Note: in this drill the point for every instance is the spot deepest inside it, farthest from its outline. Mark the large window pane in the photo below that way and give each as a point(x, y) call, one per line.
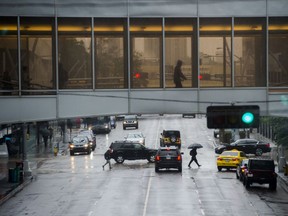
point(37, 71)
point(278, 52)
point(215, 52)
point(110, 63)
point(249, 52)
point(8, 55)
point(178, 46)
point(146, 46)
point(74, 50)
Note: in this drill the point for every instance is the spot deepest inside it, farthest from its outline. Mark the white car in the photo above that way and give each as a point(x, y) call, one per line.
point(136, 137)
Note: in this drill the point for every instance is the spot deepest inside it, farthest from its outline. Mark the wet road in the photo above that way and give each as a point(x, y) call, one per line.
point(77, 185)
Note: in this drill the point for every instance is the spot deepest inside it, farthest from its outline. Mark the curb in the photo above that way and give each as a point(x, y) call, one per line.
point(15, 190)
point(283, 182)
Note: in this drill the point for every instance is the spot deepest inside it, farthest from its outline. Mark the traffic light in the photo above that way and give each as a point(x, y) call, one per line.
point(233, 116)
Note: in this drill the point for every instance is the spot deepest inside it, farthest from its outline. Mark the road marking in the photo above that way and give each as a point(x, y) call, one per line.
point(147, 196)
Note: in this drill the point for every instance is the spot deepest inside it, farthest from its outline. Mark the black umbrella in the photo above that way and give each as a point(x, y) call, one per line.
point(195, 145)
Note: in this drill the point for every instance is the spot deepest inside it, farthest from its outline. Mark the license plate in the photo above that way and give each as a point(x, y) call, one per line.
point(168, 157)
point(227, 160)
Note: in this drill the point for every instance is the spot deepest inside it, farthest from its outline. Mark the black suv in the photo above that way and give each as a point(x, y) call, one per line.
point(128, 150)
point(261, 171)
point(168, 157)
point(170, 138)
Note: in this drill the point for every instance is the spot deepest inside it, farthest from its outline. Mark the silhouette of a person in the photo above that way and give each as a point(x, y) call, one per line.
point(178, 75)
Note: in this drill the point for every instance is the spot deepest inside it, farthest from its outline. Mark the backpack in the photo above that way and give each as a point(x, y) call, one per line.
point(193, 152)
point(107, 155)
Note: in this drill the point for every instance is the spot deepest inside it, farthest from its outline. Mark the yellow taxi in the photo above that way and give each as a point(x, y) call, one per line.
point(230, 159)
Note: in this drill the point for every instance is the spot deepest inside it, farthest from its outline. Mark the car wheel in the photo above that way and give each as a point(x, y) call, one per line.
point(180, 169)
point(124, 128)
point(151, 158)
point(273, 185)
point(219, 168)
point(258, 152)
point(119, 158)
point(71, 153)
point(156, 169)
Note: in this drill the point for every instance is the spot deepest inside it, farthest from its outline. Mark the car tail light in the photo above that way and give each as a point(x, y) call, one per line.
point(235, 159)
point(179, 158)
point(268, 145)
point(157, 158)
point(220, 159)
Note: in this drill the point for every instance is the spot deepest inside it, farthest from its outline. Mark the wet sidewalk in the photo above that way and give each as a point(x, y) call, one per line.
point(35, 159)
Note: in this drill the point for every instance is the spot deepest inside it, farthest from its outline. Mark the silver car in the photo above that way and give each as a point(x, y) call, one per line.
point(136, 137)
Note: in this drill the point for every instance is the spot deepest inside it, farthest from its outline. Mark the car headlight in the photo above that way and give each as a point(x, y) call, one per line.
point(86, 145)
point(71, 146)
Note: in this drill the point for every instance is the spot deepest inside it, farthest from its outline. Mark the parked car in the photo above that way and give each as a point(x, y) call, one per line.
point(261, 171)
point(136, 137)
point(241, 169)
point(168, 157)
point(80, 144)
point(128, 150)
point(130, 121)
point(170, 137)
point(91, 137)
point(248, 146)
point(230, 159)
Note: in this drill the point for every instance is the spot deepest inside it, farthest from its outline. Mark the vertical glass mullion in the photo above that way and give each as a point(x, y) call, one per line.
point(19, 56)
point(163, 54)
point(232, 56)
point(93, 54)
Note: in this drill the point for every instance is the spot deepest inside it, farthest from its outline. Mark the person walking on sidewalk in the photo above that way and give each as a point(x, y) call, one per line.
point(193, 154)
point(107, 157)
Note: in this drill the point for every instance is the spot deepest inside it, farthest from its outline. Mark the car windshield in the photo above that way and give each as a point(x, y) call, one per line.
point(170, 152)
point(130, 117)
point(229, 153)
point(172, 133)
point(79, 140)
point(136, 135)
point(262, 164)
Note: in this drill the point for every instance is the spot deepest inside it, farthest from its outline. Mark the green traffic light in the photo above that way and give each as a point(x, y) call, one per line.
point(248, 117)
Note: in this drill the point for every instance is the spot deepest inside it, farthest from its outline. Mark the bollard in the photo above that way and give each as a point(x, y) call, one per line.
point(55, 151)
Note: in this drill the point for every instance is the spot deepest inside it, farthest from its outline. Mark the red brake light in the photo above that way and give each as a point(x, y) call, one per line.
point(157, 158)
point(179, 158)
point(220, 159)
point(268, 145)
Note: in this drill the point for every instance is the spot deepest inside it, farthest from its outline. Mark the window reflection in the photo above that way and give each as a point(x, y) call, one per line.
point(9, 61)
point(110, 64)
point(74, 53)
point(146, 46)
point(278, 52)
point(178, 46)
point(249, 52)
point(215, 52)
point(36, 54)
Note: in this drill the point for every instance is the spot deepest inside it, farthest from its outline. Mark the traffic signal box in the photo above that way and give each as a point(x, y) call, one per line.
point(233, 116)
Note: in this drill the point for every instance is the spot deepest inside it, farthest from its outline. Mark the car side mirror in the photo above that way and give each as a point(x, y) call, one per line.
point(182, 153)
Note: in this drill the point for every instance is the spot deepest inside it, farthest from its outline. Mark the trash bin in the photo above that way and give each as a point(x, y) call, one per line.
point(20, 165)
point(14, 175)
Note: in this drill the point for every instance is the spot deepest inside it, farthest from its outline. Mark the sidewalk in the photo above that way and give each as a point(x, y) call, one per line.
point(9, 189)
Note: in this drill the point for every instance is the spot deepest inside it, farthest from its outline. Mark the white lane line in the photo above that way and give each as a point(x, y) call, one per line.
point(147, 196)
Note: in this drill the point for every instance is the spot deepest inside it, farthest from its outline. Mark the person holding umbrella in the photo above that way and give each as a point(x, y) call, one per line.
point(193, 154)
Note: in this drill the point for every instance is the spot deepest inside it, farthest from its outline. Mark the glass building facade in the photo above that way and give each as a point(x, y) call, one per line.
point(50, 54)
